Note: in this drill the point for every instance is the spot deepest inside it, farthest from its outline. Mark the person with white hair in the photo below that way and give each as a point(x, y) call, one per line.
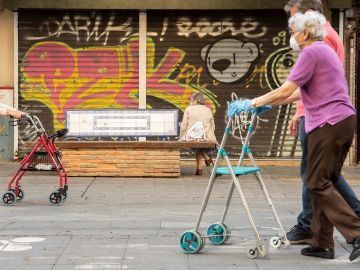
point(318, 78)
point(300, 233)
point(10, 111)
point(198, 125)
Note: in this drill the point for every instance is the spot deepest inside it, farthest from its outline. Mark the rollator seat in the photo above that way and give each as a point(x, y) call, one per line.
point(237, 170)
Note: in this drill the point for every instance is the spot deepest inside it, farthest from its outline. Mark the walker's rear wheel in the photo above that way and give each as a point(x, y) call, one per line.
point(191, 242)
point(55, 198)
point(218, 233)
point(9, 198)
point(253, 253)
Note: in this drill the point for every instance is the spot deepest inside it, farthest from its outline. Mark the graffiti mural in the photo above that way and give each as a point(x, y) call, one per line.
point(83, 60)
point(236, 63)
point(98, 77)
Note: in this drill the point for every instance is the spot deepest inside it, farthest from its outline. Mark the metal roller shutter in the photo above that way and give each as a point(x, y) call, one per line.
point(89, 59)
point(217, 53)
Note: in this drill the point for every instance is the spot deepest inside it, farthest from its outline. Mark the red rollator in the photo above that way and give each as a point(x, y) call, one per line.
point(43, 157)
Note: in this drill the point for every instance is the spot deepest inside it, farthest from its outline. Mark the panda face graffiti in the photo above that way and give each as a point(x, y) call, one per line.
point(230, 60)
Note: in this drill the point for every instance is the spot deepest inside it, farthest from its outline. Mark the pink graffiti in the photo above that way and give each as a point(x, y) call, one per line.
point(61, 68)
point(155, 80)
point(51, 61)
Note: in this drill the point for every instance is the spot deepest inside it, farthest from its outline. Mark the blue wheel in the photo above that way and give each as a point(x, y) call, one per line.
point(191, 242)
point(218, 233)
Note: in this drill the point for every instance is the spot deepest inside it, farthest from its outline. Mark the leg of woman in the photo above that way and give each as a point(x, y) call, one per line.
point(208, 160)
point(199, 156)
point(327, 150)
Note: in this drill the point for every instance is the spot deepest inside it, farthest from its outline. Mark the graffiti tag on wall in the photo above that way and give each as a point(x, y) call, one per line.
point(64, 78)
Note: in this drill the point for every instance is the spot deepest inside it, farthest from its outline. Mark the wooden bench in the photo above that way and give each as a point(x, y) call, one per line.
point(125, 158)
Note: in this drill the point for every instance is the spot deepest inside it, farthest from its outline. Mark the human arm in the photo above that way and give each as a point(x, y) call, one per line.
point(7, 110)
point(282, 95)
point(294, 97)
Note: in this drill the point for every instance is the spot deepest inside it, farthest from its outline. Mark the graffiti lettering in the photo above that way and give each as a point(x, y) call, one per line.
point(83, 23)
point(203, 28)
point(64, 78)
point(189, 73)
point(280, 38)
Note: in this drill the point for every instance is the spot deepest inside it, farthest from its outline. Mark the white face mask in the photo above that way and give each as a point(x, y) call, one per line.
point(294, 45)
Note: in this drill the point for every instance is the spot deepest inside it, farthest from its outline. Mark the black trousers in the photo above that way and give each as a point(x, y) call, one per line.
point(327, 149)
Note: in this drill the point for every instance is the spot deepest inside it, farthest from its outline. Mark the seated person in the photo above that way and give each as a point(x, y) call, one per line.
point(198, 125)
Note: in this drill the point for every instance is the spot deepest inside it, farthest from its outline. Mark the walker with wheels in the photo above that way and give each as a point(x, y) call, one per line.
point(43, 157)
point(192, 241)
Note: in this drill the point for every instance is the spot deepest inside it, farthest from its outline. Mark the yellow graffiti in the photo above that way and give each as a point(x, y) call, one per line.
point(64, 78)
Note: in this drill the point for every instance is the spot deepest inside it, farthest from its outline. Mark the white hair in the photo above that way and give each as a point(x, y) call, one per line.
point(312, 21)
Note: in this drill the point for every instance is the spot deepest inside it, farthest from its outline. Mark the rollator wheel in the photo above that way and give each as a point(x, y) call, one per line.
point(253, 253)
point(64, 197)
point(21, 194)
point(191, 242)
point(9, 198)
point(55, 198)
point(275, 242)
point(218, 233)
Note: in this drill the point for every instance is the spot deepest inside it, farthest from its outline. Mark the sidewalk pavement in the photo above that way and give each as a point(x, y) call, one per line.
point(135, 223)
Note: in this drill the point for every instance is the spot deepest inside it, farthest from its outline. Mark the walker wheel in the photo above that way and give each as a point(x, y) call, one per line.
point(21, 194)
point(218, 233)
point(64, 197)
point(9, 198)
point(253, 253)
point(275, 242)
point(191, 241)
point(55, 198)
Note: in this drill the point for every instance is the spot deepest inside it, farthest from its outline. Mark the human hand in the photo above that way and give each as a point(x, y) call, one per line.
point(238, 106)
point(293, 125)
point(262, 109)
point(16, 113)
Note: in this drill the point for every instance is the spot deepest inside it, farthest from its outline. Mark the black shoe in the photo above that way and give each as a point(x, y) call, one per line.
point(325, 253)
point(198, 172)
point(356, 249)
point(208, 162)
point(299, 236)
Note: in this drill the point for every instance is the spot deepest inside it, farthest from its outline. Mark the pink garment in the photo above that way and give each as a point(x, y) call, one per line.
point(333, 40)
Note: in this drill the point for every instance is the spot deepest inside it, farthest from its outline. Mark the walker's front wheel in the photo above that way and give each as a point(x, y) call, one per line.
point(55, 198)
point(218, 233)
point(20, 196)
point(64, 197)
point(9, 198)
point(275, 242)
point(191, 241)
point(253, 253)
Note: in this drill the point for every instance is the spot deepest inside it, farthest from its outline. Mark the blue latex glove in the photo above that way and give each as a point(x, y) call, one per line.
point(238, 106)
point(262, 109)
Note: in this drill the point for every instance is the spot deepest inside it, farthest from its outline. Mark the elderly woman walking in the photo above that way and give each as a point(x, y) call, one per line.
point(330, 121)
point(198, 125)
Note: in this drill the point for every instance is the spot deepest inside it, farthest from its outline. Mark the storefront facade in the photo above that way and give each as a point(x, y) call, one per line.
point(91, 58)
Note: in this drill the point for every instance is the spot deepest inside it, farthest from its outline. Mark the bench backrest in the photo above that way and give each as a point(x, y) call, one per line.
point(122, 123)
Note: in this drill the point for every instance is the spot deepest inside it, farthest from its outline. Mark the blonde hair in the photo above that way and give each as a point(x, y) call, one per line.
point(312, 21)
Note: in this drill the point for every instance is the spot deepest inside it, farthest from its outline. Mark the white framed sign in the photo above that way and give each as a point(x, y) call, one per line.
point(123, 123)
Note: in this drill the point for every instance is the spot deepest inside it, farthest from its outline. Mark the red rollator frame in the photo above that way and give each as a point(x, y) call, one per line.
point(45, 149)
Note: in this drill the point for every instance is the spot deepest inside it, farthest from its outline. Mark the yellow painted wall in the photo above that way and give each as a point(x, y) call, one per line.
point(6, 48)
